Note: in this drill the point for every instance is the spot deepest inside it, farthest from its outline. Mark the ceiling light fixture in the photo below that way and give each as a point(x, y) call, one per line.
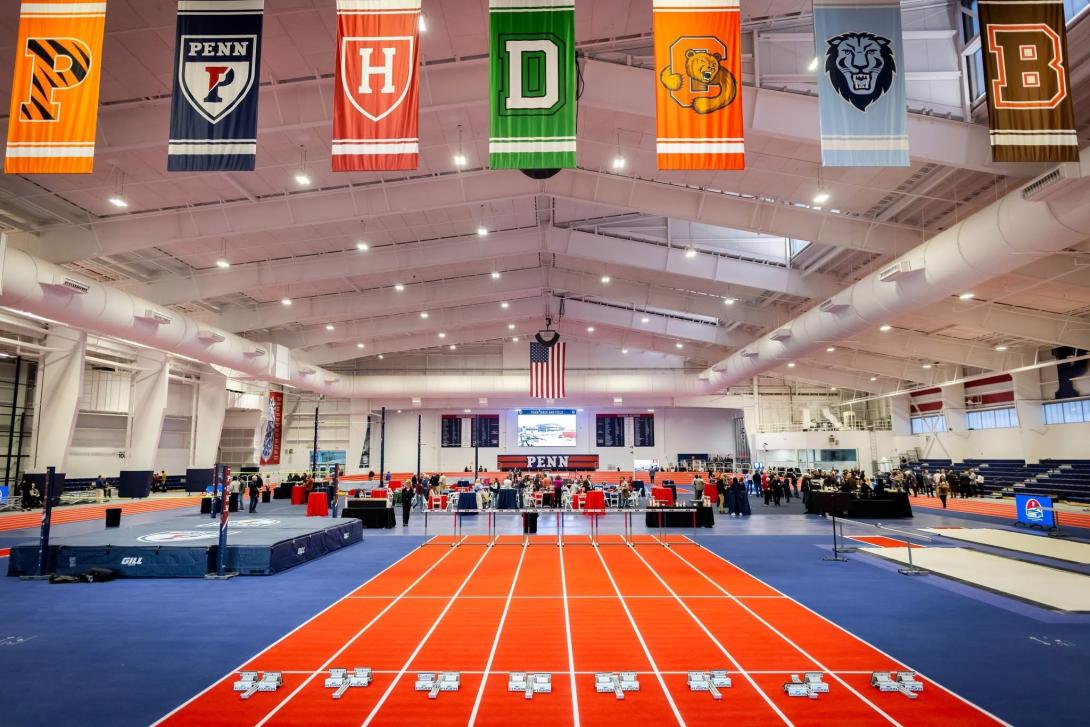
point(329, 327)
point(729, 301)
point(618, 158)
point(495, 274)
point(927, 366)
point(381, 356)
point(362, 246)
point(1000, 348)
point(606, 279)
point(690, 253)
point(821, 197)
point(791, 365)
point(285, 301)
point(813, 64)
point(966, 296)
point(679, 345)
point(442, 335)
point(590, 329)
point(423, 314)
point(624, 350)
point(645, 319)
point(453, 347)
point(117, 199)
point(874, 378)
point(221, 263)
point(482, 231)
point(399, 287)
point(510, 326)
point(459, 156)
point(515, 339)
point(505, 305)
point(301, 176)
point(118, 202)
point(359, 345)
point(830, 349)
point(885, 327)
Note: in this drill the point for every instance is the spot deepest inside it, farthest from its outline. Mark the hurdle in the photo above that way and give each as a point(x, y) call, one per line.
point(911, 570)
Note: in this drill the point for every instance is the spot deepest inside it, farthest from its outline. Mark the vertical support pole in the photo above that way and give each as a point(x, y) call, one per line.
point(11, 419)
point(476, 444)
point(382, 448)
point(314, 450)
point(335, 490)
point(47, 518)
point(221, 548)
point(419, 434)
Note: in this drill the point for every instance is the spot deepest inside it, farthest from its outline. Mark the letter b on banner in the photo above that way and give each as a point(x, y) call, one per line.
point(534, 84)
point(1029, 57)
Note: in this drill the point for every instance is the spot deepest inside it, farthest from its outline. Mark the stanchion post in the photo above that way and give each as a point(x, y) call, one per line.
point(836, 552)
point(221, 550)
point(47, 519)
point(911, 570)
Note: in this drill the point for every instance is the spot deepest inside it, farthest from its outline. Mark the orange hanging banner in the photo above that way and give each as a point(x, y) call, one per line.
point(698, 84)
point(54, 95)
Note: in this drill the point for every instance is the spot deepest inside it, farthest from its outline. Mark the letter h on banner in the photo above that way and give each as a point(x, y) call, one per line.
point(376, 92)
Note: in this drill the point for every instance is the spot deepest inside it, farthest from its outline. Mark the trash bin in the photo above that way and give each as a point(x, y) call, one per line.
point(266, 496)
point(232, 502)
point(206, 506)
point(113, 517)
point(529, 522)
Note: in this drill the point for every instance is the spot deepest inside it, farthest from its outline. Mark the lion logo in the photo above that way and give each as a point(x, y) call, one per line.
point(697, 76)
point(860, 66)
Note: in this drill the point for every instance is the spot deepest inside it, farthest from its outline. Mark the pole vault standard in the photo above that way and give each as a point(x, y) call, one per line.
point(419, 432)
point(382, 448)
point(222, 475)
point(476, 444)
point(314, 450)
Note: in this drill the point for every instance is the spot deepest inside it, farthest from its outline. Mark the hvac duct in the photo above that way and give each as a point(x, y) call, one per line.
point(27, 284)
point(1004, 236)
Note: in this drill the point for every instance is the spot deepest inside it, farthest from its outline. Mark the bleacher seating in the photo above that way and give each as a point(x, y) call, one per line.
point(1067, 479)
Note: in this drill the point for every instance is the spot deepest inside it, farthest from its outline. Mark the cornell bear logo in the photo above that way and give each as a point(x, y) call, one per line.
point(704, 72)
point(860, 66)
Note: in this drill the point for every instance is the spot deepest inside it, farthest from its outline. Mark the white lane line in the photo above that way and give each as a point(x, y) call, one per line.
point(496, 642)
point(710, 635)
point(204, 691)
point(420, 646)
point(838, 628)
point(639, 636)
point(567, 632)
point(361, 632)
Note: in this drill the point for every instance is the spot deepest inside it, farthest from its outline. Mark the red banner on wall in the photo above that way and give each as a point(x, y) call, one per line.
point(376, 92)
point(272, 421)
point(547, 461)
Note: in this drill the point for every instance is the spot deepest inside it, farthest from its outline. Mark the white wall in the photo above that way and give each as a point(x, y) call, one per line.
point(676, 430)
point(1059, 441)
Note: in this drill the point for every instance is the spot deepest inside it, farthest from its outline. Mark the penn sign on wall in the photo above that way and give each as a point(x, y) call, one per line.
point(547, 462)
point(213, 112)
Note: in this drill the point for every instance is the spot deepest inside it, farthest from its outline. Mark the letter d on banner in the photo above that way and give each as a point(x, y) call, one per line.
point(54, 94)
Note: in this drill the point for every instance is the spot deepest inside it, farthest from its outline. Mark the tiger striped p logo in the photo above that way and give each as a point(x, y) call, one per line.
point(56, 64)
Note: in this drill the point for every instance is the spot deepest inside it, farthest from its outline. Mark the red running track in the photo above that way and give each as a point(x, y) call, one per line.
point(570, 611)
point(62, 515)
point(994, 509)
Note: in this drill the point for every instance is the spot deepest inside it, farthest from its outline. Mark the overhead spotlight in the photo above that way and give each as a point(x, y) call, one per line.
point(624, 350)
point(329, 326)
point(690, 253)
point(422, 23)
point(381, 356)
point(1001, 348)
point(118, 201)
point(362, 246)
point(399, 287)
point(505, 305)
point(729, 301)
point(821, 197)
point(398, 411)
point(791, 365)
point(874, 378)
point(618, 163)
point(885, 327)
point(515, 339)
point(645, 319)
point(452, 347)
point(442, 335)
point(927, 366)
point(832, 388)
point(830, 349)
point(813, 64)
point(510, 326)
point(651, 410)
point(590, 329)
point(966, 296)
point(606, 279)
point(359, 345)
point(495, 274)
point(459, 160)
point(482, 232)
point(466, 411)
point(285, 301)
point(423, 314)
point(679, 344)
point(221, 263)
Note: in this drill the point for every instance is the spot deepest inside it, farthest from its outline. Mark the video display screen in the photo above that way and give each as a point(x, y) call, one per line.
point(546, 428)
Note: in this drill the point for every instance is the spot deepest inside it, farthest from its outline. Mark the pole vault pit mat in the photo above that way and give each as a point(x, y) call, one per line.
point(185, 547)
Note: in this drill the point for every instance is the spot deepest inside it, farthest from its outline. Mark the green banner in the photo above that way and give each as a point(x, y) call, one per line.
point(533, 84)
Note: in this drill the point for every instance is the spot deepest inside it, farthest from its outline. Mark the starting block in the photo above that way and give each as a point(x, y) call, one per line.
point(342, 679)
point(616, 682)
point(709, 681)
point(810, 685)
point(530, 684)
point(904, 682)
point(432, 683)
point(249, 684)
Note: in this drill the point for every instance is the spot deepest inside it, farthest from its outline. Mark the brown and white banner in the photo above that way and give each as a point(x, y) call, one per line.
point(1030, 113)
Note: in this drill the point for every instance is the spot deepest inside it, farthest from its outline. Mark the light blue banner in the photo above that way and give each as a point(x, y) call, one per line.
point(861, 83)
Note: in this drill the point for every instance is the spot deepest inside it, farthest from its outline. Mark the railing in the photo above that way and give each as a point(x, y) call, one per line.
point(872, 425)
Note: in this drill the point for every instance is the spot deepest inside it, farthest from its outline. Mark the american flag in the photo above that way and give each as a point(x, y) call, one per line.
point(547, 370)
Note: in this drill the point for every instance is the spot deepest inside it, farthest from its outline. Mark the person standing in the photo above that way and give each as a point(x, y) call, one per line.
point(408, 494)
point(254, 486)
point(721, 492)
point(234, 490)
point(943, 488)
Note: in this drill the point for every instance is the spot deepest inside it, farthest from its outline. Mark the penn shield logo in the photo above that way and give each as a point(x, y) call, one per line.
point(860, 66)
point(216, 72)
point(376, 73)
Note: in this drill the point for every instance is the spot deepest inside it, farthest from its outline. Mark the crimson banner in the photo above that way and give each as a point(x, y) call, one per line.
point(1030, 113)
point(376, 94)
point(272, 420)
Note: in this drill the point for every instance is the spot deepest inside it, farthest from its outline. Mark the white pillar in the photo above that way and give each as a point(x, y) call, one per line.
point(1031, 414)
point(953, 406)
point(209, 409)
point(900, 414)
point(57, 393)
point(147, 407)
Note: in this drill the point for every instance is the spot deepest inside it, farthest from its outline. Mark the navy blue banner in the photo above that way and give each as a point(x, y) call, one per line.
point(213, 114)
